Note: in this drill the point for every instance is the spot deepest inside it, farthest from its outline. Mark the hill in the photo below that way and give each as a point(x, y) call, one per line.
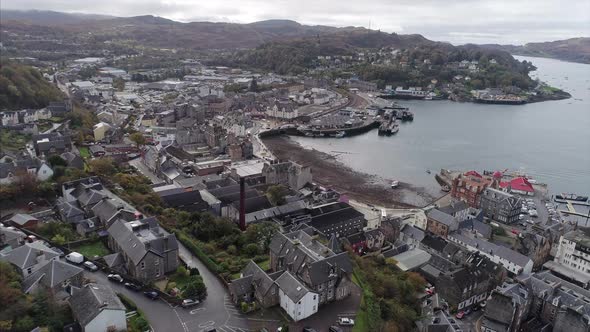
point(574, 49)
point(25, 87)
point(48, 17)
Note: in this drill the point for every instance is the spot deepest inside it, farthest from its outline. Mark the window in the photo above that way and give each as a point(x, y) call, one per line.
point(315, 297)
point(142, 265)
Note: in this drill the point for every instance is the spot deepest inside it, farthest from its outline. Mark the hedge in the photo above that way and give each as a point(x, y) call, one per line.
point(195, 250)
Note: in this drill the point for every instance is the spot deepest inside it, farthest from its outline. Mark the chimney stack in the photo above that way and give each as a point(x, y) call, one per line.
point(242, 204)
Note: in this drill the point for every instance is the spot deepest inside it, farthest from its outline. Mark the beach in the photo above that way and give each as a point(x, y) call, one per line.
point(331, 173)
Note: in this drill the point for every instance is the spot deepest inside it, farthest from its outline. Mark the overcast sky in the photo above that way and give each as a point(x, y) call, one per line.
point(457, 21)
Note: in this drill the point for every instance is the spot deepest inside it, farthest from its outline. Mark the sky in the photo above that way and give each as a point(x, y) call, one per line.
point(456, 21)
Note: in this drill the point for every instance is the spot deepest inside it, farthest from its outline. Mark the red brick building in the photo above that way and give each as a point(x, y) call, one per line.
point(469, 186)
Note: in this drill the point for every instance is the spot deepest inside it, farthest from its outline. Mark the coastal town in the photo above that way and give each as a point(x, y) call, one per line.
point(161, 192)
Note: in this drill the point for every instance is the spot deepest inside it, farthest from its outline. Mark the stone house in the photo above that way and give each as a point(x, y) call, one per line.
point(441, 223)
point(500, 206)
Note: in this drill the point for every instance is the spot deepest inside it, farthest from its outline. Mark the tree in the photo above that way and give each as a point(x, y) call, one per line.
point(56, 160)
point(59, 239)
point(276, 194)
point(138, 139)
point(103, 166)
point(196, 289)
point(251, 249)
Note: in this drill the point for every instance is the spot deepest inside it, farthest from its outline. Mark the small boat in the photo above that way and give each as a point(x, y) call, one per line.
point(340, 134)
point(445, 188)
point(394, 184)
point(428, 171)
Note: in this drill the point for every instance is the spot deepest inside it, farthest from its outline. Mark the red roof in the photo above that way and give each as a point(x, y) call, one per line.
point(473, 173)
point(520, 184)
point(497, 174)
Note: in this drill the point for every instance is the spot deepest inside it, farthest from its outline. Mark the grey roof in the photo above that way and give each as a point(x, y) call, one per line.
point(241, 286)
point(334, 244)
point(8, 235)
point(51, 274)
point(138, 237)
point(89, 301)
point(412, 259)
point(294, 289)
point(442, 217)
point(492, 249)
point(113, 260)
point(87, 196)
point(413, 233)
point(326, 269)
point(454, 207)
point(69, 210)
point(475, 225)
point(276, 211)
point(262, 280)
point(28, 254)
point(21, 218)
point(107, 208)
point(552, 288)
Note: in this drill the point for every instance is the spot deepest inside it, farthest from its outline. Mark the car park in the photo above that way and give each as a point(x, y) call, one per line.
point(90, 266)
point(115, 277)
point(152, 295)
point(189, 303)
point(345, 321)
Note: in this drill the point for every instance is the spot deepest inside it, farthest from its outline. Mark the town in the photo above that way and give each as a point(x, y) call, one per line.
point(142, 197)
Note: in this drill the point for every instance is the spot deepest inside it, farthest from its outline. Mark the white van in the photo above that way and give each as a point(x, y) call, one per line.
point(75, 257)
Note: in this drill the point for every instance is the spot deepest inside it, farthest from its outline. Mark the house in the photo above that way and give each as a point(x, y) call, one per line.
point(477, 228)
point(97, 308)
point(469, 187)
point(29, 257)
point(315, 276)
point(552, 295)
point(97, 150)
point(471, 284)
point(100, 130)
point(59, 109)
point(296, 299)
point(507, 308)
point(56, 276)
point(11, 237)
point(440, 223)
point(460, 210)
point(519, 185)
point(73, 160)
point(51, 144)
point(149, 252)
point(22, 220)
point(69, 212)
point(12, 170)
point(500, 206)
point(515, 262)
point(572, 259)
point(536, 246)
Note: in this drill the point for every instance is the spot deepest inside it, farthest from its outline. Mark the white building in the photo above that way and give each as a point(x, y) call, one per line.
point(573, 257)
point(297, 301)
point(513, 261)
point(98, 309)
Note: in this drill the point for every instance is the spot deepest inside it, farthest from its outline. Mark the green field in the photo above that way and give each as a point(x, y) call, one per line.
point(10, 140)
point(84, 152)
point(92, 249)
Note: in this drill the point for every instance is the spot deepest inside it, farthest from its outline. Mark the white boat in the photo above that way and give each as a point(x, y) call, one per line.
point(394, 184)
point(340, 134)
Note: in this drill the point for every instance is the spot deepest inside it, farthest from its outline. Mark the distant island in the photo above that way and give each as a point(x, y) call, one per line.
point(573, 49)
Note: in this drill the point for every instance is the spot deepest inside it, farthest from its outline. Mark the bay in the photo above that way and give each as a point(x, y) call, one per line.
point(549, 141)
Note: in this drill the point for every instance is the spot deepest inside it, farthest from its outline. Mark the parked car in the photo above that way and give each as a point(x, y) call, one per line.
point(115, 277)
point(132, 286)
point(345, 321)
point(151, 295)
point(75, 257)
point(335, 328)
point(189, 303)
point(90, 266)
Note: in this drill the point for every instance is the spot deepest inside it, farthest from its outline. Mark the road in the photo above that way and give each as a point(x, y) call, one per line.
point(217, 310)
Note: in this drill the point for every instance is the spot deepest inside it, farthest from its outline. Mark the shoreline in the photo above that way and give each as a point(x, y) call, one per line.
point(331, 173)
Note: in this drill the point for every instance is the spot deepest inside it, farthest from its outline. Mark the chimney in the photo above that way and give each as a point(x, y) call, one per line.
point(242, 204)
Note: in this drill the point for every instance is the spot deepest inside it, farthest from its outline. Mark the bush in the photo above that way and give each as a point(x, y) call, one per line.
point(195, 250)
point(251, 249)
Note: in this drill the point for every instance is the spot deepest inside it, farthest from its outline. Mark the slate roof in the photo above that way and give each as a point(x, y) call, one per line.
point(27, 255)
point(550, 287)
point(152, 238)
point(68, 210)
point(441, 217)
point(87, 196)
point(254, 204)
point(454, 207)
point(413, 233)
point(88, 302)
point(113, 260)
point(21, 218)
point(190, 201)
point(493, 249)
point(294, 289)
point(51, 274)
point(320, 271)
point(436, 243)
point(8, 235)
point(275, 211)
point(475, 225)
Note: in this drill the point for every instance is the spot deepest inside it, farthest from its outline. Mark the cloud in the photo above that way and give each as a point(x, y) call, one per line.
point(457, 21)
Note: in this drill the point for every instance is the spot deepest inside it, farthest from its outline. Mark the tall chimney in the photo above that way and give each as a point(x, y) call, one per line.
point(242, 204)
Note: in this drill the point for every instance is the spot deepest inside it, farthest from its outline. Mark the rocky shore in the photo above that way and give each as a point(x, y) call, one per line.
point(331, 173)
